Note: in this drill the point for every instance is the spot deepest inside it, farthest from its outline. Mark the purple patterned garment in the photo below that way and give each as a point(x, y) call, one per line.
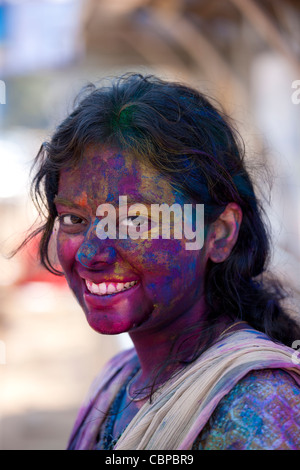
point(262, 412)
point(101, 395)
point(256, 406)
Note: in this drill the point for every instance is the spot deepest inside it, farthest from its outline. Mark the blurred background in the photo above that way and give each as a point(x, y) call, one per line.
point(245, 53)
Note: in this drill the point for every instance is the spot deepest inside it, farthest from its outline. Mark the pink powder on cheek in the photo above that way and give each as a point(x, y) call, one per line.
point(67, 248)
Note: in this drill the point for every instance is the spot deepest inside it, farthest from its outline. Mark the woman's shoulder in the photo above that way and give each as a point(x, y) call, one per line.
point(262, 411)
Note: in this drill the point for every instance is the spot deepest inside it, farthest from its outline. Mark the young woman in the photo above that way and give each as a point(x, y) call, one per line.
point(212, 365)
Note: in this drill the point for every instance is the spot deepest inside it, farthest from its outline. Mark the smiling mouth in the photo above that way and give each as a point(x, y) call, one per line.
point(108, 288)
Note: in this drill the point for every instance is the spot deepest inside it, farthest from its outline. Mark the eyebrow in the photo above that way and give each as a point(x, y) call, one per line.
point(131, 199)
point(65, 202)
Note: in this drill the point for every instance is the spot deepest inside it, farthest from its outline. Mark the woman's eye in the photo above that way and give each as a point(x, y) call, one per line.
point(70, 220)
point(142, 223)
point(132, 221)
point(135, 221)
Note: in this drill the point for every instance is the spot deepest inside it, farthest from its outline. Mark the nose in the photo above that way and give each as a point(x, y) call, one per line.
point(94, 253)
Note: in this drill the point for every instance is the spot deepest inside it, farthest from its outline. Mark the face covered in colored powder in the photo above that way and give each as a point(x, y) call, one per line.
point(165, 279)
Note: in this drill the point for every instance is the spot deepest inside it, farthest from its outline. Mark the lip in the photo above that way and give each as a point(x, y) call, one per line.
point(99, 276)
point(107, 300)
point(108, 280)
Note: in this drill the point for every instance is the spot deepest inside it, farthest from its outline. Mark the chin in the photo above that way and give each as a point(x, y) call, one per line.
point(106, 324)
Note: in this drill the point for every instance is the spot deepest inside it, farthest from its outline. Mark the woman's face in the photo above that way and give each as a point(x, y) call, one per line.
point(166, 278)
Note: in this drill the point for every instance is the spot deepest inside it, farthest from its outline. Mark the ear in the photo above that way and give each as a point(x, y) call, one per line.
point(223, 233)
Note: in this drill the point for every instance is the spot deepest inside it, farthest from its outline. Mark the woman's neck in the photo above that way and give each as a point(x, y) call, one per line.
point(166, 354)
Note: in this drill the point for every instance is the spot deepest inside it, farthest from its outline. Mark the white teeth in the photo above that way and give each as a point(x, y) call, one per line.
point(105, 288)
point(102, 288)
point(111, 289)
point(94, 288)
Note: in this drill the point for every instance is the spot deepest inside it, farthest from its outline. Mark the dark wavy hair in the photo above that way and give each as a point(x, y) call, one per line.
point(180, 132)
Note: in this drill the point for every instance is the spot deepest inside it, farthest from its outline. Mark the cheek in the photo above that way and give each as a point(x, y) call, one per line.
point(155, 256)
point(168, 268)
point(67, 248)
